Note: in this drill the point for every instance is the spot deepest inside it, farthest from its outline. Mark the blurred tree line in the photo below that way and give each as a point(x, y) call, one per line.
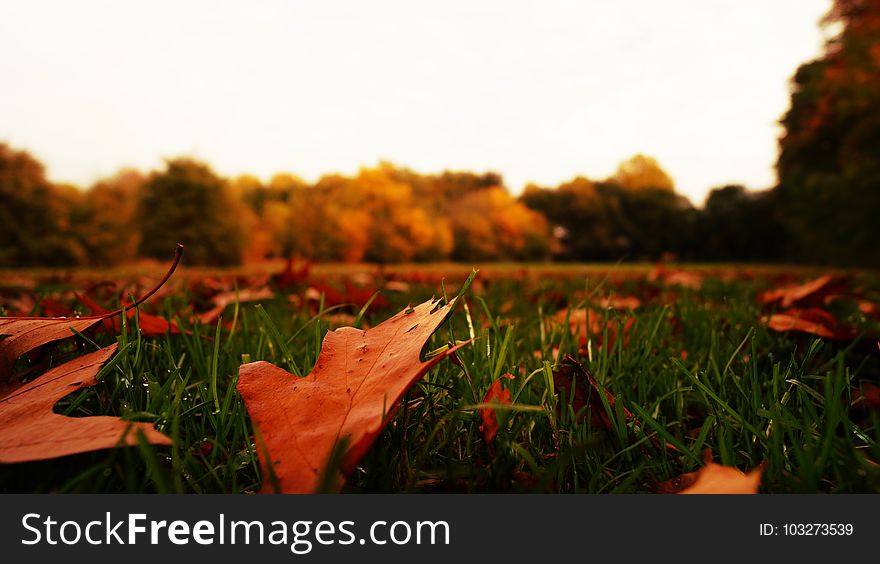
point(384, 214)
point(821, 211)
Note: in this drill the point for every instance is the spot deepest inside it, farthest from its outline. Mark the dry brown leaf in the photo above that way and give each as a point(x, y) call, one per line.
point(29, 430)
point(495, 394)
point(866, 397)
point(588, 324)
point(812, 321)
point(713, 479)
point(224, 299)
point(585, 400)
point(150, 325)
point(615, 301)
point(685, 279)
point(357, 382)
point(19, 335)
point(24, 334)
point(717, 479)
point(810, 290)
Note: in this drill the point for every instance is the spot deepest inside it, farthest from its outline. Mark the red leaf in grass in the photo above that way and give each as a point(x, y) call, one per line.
point(150, 325)
point(495, 394)
point(867, 397)
point(582, 390)
point(615, 301)
point(714, 479)
point(224, 299)
point(357, 382)
point(354, 295)
point(292, 277)
point(24, 334)
point(811, 291)
point(683, 278)
point(53, 307)
point(588, 324)
point(812, 321)
point(19, 335)
point(29, 430)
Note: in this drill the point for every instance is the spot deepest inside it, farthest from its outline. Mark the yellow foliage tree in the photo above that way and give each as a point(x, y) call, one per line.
point(642, 171)
point(491, 224)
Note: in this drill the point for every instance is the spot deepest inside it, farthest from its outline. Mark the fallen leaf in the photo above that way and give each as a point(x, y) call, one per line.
point(292, 277)
point(615, 301)
point(150, 325)
point(867, 397)
point(812, 290)
point(588, 324)
point(582, 390)
point(685, 279)
point(715, 479)
point(358, 380)
point(24, 334)
point(29, 430)
point(224, 299)
point(495, 394)
point(812, 321)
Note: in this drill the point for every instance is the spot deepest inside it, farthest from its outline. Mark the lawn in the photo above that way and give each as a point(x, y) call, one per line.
point(689, 357)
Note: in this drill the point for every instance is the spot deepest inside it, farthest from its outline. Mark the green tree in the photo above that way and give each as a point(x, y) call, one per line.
point(605, 221)
point(739, 225)
point(188, 203)
point(829, 161)
point(35, 215)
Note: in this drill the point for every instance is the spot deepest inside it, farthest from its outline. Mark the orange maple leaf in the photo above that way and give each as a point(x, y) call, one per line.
point(358, 380)
point(29, 430)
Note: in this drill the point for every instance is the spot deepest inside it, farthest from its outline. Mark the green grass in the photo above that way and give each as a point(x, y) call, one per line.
point(748, 394)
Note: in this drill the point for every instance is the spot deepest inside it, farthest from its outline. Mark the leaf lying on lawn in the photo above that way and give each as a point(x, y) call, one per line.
point(224, 299)
point(813, 321)
point(866, 397)
point(714, 479)
point(495, 394)
point(359, 378)
point(24, 334)
point(588, 324)
point(29, 430)
point(149, 325)
point(812, 290)
point(585, 400)
point(19, 335)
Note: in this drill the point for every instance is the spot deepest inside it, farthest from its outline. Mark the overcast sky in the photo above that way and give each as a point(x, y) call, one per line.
point(538, 91)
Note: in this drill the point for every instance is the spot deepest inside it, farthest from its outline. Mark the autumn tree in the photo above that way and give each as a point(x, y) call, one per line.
point(490, 224)
point(641, 171)
point(35, 224)
point(190, 204)
point(268, 218)
point(829, 161)
point(106, 220)
point(400, 229)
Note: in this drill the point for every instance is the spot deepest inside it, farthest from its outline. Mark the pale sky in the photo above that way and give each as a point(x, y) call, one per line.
point(539, 91)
